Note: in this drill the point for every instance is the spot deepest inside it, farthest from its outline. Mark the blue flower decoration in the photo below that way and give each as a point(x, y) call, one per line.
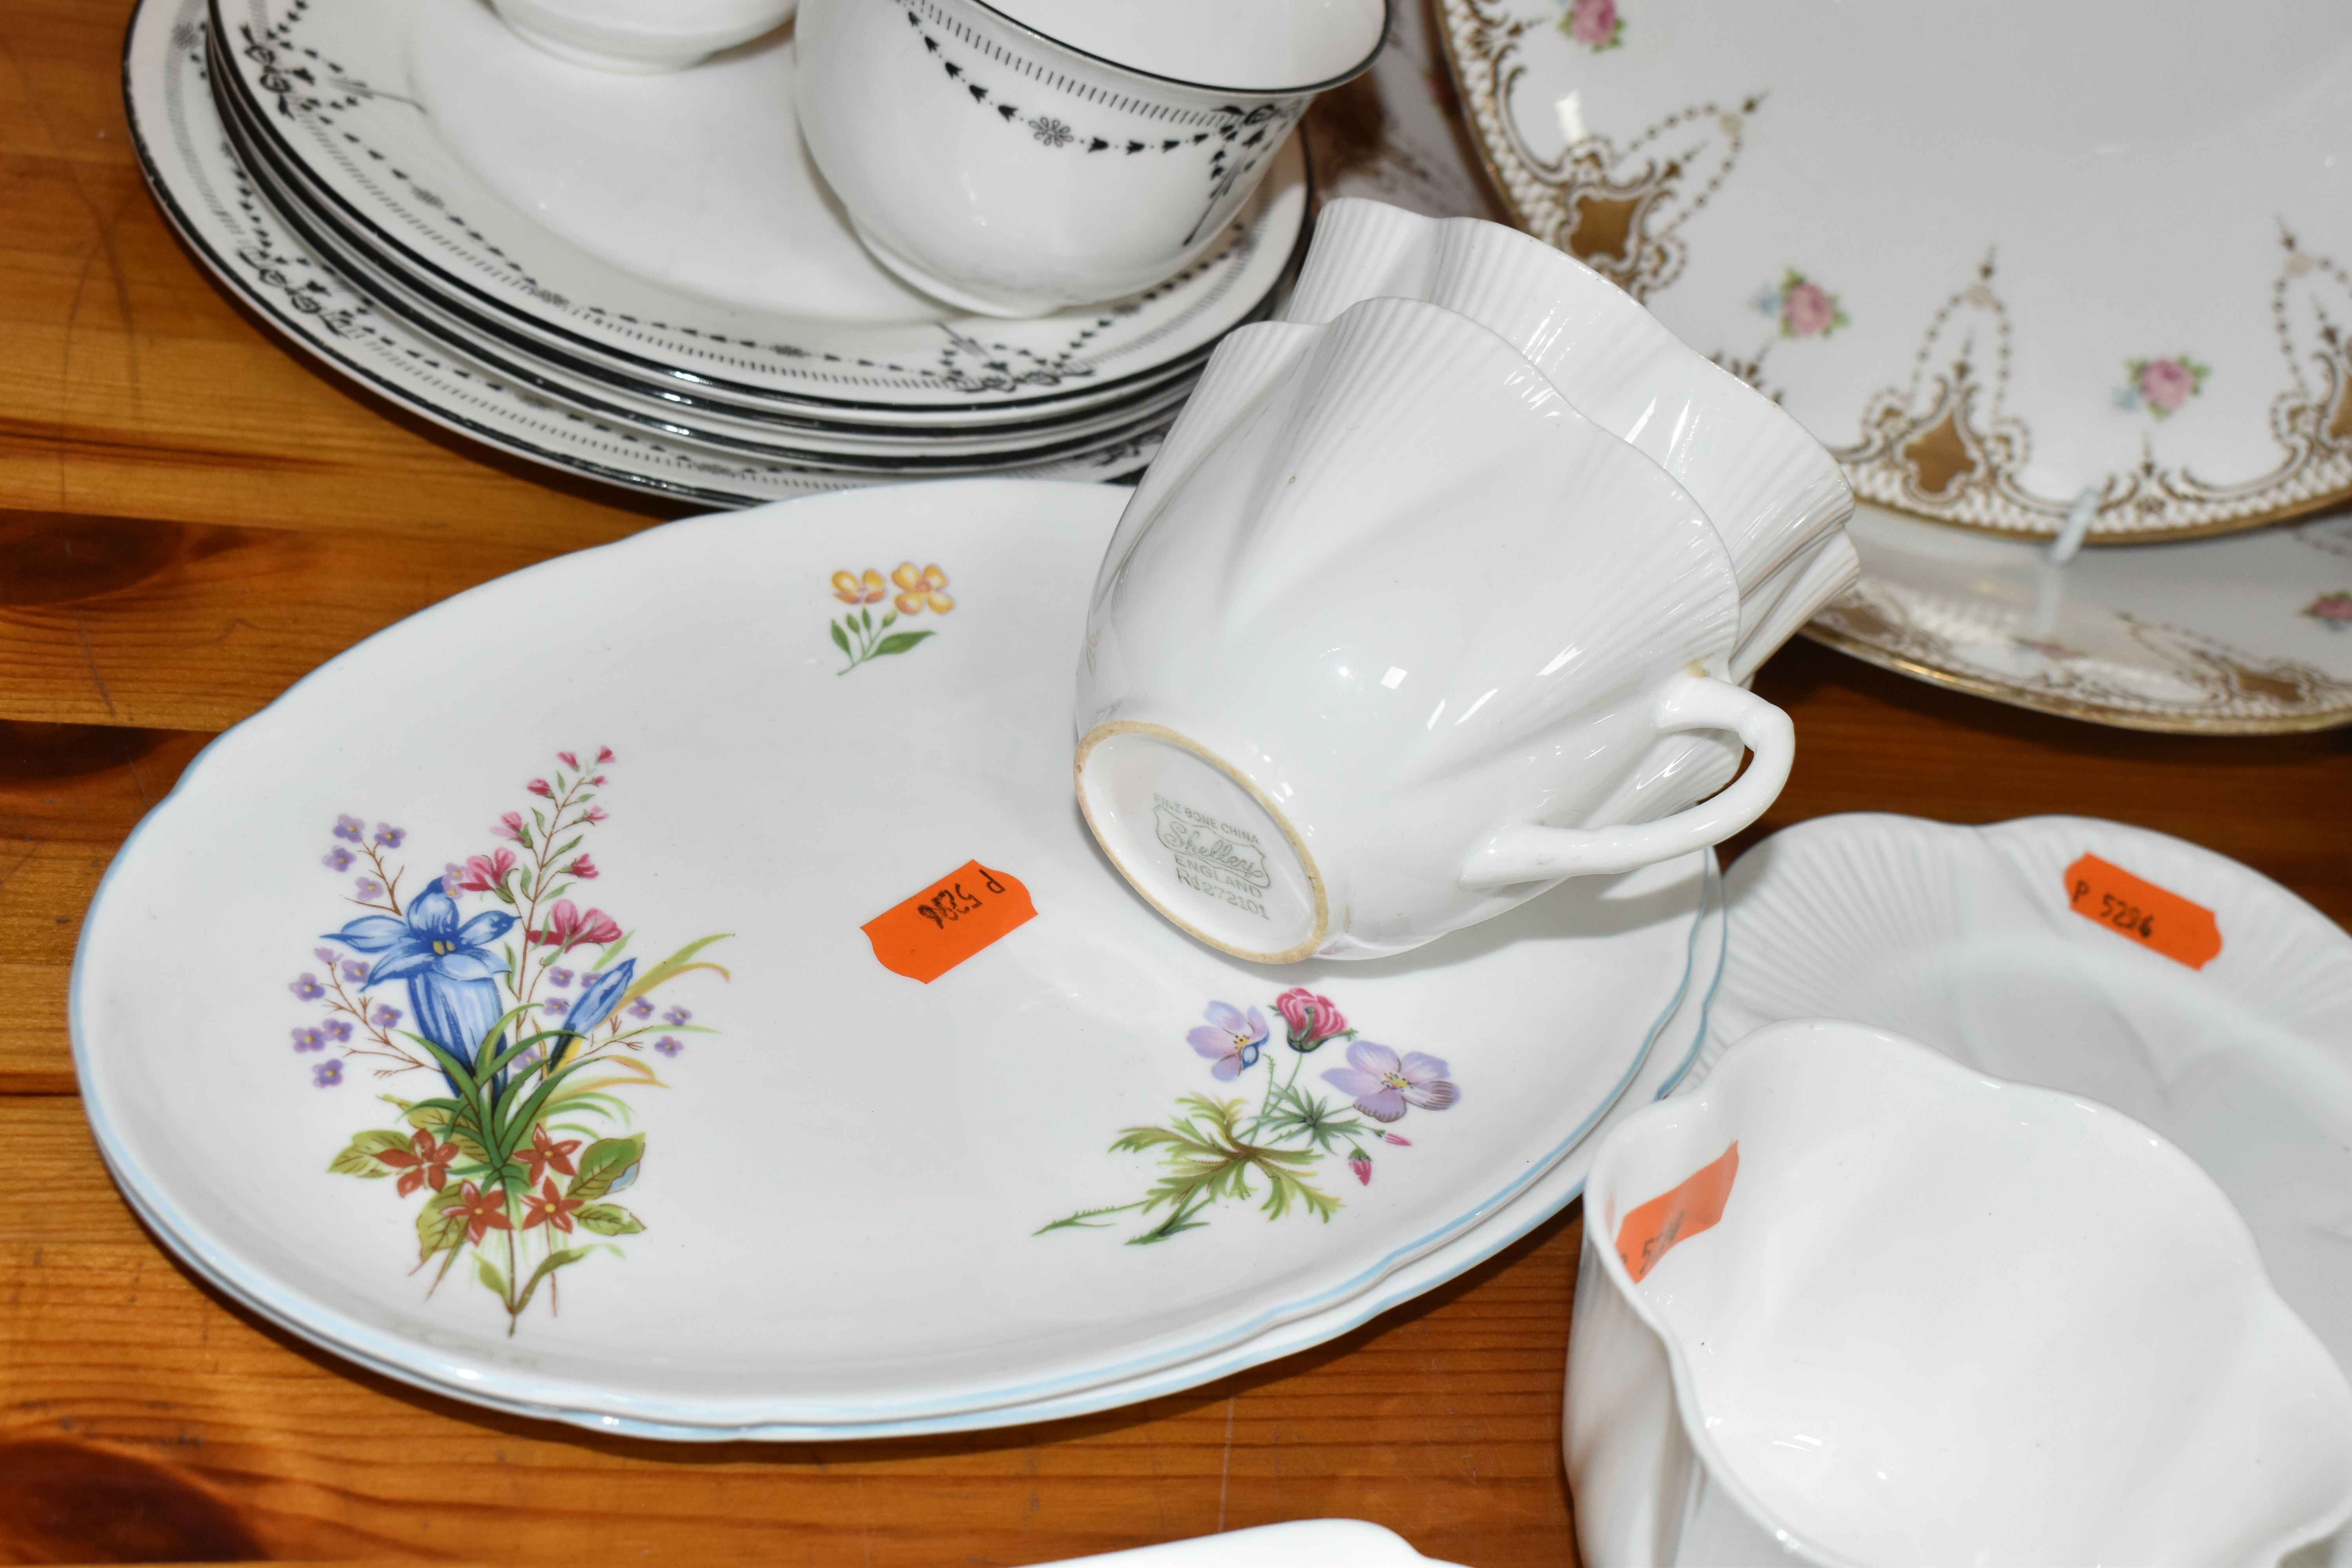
point(451, 970)
point(597, 1003)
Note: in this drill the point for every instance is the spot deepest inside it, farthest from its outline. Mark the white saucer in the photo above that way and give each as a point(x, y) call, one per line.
point(1965, 938)
point(2247, 634)
point(637, 219)
point(208, 199)
point(846, 1206)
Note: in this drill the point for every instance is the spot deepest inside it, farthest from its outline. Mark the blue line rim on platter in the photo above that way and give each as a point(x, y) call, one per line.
point(565, 1400)
point(1494, 1237)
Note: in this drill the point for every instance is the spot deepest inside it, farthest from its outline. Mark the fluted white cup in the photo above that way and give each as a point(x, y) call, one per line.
point(1380, 636)
point(1849, 1302)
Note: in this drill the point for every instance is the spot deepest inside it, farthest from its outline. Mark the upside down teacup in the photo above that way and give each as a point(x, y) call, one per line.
point(1380, 635)
point(1019, 157)
point(1849, 1302)
point(1775, 494)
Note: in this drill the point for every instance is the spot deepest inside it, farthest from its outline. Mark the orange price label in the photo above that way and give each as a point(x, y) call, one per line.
point(1654, 1229)
point(949, 921)
point(2151, 916)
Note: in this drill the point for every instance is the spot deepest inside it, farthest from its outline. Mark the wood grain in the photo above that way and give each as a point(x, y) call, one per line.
point(191, 516)
point(128, 621)
point(130, 386)
point(1440, 1420)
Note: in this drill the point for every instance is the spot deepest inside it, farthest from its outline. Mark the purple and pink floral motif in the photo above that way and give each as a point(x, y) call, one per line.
point(1803, 308)
point(522, 1057)
point(2161, 386)
point(1595, 23)
point(1211, 1150)
point(2333, 610)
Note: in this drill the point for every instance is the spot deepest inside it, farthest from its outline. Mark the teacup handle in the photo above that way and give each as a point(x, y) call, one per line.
point(1530, 854)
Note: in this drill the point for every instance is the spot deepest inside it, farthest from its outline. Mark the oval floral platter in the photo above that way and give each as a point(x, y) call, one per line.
point(673, 988)
point(1675, 1042)
point(1999, 259)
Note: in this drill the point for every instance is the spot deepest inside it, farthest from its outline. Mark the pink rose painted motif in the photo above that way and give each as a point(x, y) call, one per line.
point(1215, 1151)
point(1595, 23)
point(1310, 1019)
point(492, 1021)
point(2161, 386)
point(2333, 610)
point(1803, 308)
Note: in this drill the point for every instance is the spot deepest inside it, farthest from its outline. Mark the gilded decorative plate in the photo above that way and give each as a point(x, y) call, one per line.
point(1998, 257)
point(2250, 634)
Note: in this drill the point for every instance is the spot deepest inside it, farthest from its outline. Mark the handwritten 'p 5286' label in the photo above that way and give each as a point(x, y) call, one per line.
point(948, 921)
point(2154, 917)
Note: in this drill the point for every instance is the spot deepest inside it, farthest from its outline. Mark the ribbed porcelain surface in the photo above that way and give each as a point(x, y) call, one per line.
point(1943, 1318)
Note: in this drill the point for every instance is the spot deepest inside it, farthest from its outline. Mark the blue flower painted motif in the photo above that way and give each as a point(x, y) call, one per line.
point(597, 1003)
point(450, 969)
point(506, 1190)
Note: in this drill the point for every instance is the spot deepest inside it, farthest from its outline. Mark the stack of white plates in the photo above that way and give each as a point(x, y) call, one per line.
point(910, 1116)
point(639, 278)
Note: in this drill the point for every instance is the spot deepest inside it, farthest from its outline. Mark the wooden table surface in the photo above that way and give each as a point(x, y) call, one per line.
point(191, 516)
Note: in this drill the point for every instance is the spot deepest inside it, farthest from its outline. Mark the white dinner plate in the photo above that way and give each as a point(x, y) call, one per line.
point(2247, 634)
point(865, 1199)
point(1996, 257)
point(629, 392)
point(672, 223)
point(208, 199)
point(2000, 947)
point(923, 453)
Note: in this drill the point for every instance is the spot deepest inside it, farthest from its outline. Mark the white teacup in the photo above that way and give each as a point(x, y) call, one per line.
point(641, 36)
point(1019, 157)
point(1774, 494)
point(1849, 1302)
point(1385, 626)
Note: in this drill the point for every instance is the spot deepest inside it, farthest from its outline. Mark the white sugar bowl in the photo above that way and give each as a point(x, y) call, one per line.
point(1849, 1302)
point(641, 36)
point(1380, 647)
point(1023, 156)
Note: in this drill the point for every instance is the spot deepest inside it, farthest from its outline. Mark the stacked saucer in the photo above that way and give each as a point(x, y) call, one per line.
point(640, 277)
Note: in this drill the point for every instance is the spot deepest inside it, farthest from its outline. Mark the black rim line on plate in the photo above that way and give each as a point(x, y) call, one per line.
point(284, 199)
point(944, 465)
point(403, 393)
point(1388, 19)
point(235, 83)
point(193, 236)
